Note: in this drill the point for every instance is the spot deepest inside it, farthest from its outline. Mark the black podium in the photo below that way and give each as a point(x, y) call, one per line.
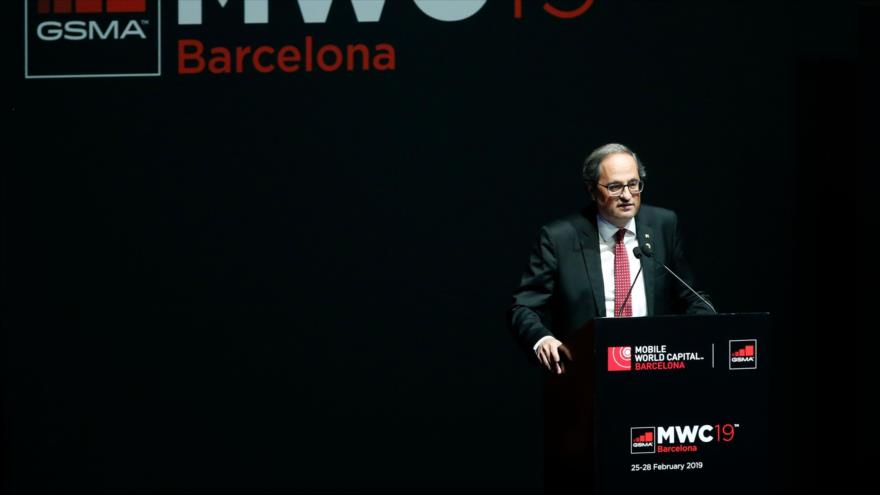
point(670, 404)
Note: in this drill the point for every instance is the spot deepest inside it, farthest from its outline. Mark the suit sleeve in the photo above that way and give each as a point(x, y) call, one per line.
point(528, 317)
point(686, 301)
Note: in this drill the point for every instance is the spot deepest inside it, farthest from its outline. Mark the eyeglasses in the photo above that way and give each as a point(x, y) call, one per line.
point(635, 186)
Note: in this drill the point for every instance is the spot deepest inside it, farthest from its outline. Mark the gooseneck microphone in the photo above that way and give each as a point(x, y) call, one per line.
point(629, 292)
point(648, 251)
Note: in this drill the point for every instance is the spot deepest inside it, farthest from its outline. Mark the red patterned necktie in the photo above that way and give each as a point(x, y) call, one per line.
point(621, 277)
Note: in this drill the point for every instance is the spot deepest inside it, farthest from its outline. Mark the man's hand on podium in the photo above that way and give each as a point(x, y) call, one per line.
point(550, 353)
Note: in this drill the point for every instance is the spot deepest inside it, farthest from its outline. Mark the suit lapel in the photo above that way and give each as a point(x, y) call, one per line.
point(646, 235)
point(588, 238)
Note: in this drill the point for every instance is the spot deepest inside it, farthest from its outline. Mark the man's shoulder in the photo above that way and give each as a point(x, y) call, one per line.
point(656, 214)
point(568, 224)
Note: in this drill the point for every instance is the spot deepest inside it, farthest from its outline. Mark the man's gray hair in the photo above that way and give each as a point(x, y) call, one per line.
point(590, 170)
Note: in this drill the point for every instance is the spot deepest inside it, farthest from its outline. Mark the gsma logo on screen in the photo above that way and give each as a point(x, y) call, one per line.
point(92, 38)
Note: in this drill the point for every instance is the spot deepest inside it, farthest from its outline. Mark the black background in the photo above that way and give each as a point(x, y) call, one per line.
point(297, 282)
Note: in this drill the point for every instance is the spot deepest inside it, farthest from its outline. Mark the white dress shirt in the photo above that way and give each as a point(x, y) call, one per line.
point(607, 231)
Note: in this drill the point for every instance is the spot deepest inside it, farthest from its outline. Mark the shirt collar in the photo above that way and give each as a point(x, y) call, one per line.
point(607, 230)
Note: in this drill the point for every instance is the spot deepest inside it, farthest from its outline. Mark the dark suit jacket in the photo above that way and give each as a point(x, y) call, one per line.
point(562, 288)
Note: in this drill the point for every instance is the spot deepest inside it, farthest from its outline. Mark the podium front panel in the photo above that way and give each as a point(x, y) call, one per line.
point(681, 404)
point(675, 404)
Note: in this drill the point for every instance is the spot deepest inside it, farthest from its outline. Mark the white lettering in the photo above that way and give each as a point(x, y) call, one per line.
point(684, 434)
point(705, 431)
point(76, 31)
point(49, 31)
point(189, 12)
point(80, 30)
point(666, 435)
point(95, 29)
point(133, 29)
point(651, 349)
point(444, 10)
point(316, 11)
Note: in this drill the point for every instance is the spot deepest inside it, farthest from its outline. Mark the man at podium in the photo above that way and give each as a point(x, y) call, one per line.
point(593, 263)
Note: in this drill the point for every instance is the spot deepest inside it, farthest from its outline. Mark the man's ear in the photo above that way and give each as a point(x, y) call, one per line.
point(590, 191)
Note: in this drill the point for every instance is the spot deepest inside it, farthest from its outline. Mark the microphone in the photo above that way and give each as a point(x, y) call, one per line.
point(638, 254)
point(648, 251)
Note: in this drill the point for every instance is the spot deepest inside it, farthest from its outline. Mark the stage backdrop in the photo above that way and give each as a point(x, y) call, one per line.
point(268, 246)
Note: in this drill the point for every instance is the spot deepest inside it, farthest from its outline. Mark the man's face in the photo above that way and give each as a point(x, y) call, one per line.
point(618, 168)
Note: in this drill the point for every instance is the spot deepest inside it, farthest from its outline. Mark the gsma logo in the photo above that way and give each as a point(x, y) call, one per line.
point(743, 354)
point(92, 38)
point(642, 440)
point(620, 358)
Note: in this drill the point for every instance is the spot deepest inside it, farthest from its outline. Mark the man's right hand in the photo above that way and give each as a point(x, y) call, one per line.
point(549, 353)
